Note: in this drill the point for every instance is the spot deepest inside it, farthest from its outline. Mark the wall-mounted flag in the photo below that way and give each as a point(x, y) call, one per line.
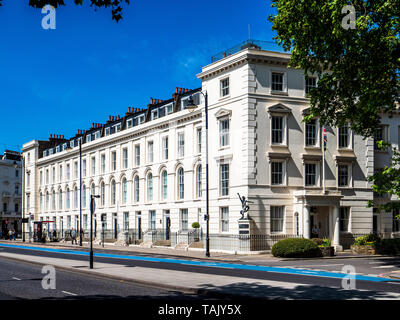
point(325, 139)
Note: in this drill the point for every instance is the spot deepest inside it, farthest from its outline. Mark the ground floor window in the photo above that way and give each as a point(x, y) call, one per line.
point(277, 217)
point(152, 219)
point(224, 216)
point(184, 219)
point(126, 220)
point(344, 219)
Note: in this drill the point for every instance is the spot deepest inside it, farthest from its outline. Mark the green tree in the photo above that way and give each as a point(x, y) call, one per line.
point(357, 65)
point(115, 5)
point(362, 64)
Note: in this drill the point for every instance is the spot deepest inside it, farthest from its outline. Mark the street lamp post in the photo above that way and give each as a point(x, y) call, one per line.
point(191, 106)
point(92, 209)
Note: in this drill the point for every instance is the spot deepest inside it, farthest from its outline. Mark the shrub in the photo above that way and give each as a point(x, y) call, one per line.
point(296, 248)
point(195, 225)
point(326, 243)
point(318, 241)
point(369, 239)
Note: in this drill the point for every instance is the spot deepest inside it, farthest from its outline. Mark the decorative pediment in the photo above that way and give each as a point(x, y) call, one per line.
point(306, 111)
point(223, 112)
point(279, 108)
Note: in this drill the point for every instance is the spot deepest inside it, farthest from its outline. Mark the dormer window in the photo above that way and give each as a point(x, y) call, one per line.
point(161, 112)
point(58, 148)
point(117, 128)
point(154, 114)
point(184, 103)
point(88, 138)
point(107, 132)
point(129, 123)
point(170, 108)
point(97, 135)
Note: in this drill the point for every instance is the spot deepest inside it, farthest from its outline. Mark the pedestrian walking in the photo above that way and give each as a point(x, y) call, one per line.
point(73, 236)
point(14, 235)
point(10, 234)
point(54, 235)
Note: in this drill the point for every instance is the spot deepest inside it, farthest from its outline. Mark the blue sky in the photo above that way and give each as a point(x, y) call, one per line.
point(58, 81)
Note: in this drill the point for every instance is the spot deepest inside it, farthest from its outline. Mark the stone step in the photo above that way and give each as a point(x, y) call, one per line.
point(146, 244)
point(182, 246)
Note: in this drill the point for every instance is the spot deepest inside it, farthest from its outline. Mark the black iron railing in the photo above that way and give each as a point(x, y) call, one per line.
point(248, 44)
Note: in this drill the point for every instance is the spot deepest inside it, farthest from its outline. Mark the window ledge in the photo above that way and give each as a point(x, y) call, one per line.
point(279, 93)
point(223, 197)
point(224, 97)
point(312, 148)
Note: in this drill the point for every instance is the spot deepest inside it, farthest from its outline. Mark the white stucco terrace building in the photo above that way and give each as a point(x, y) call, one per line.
point(148, 166)
point(10, 191)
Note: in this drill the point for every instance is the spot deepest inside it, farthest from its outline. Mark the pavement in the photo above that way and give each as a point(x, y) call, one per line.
point(191, 253)
point(193, 282)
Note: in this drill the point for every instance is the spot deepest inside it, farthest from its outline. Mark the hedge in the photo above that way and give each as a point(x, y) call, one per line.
point(296, 248)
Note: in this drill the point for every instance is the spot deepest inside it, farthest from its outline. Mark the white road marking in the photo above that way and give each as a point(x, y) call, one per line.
point(380, 262)
point(16, 278)
point(383, 267)
point(70, 293)
point(321, 265)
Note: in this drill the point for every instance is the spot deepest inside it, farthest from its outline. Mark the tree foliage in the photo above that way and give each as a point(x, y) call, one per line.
point(387, 180)
point(115, 5)
point(362, 64)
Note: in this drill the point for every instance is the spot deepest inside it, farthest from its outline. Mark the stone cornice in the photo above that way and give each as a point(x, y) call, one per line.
point(98, 144)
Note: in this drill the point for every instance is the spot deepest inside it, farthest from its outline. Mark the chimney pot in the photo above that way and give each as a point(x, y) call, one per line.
point(176, 90)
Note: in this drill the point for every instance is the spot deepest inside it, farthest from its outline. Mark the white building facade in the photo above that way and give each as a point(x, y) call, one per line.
point(148, 167)
point(11, 191)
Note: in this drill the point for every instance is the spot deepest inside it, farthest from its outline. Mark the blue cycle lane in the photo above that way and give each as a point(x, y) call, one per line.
point(303, 272)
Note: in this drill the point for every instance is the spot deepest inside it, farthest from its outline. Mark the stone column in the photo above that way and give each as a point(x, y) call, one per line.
point(306, 217)
point(336, 229)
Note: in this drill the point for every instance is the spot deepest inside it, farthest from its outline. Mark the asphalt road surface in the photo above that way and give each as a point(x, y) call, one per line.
point(322, 287)
point(20, 280)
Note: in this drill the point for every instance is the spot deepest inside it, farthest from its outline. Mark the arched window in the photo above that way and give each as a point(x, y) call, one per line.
point(83, 196)
point(198, 181)
point(68, 198)
point(75, 197)
point(136, 182)
point(60, 200)
point(150, 187)
point(93, 189)
point(113, 189)
point(102, 193)
point(47, 200)
point(181, 184)
point(124, 190)
point(164, 183)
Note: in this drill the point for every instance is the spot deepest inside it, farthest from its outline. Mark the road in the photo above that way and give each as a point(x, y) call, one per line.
point(24, 281)
point(269, 279)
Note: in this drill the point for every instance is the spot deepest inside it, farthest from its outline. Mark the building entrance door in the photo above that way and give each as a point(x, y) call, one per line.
point(167, 224)
point(139, 225)
point(115, 226)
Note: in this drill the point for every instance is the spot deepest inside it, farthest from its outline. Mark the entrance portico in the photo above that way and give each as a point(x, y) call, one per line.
point(320, 210)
